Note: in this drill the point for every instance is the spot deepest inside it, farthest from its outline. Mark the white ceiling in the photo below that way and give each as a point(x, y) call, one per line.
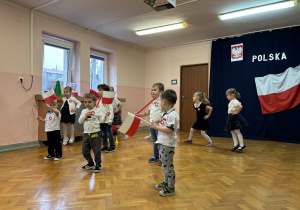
point(121, 18)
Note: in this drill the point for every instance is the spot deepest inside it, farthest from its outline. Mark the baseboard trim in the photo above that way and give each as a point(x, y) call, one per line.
point(10, 147)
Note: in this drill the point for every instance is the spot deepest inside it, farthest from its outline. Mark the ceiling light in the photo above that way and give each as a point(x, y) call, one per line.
point(161, 28)
point(259, 9)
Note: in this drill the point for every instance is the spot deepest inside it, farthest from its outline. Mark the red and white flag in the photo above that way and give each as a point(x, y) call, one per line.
point(279, 92)
point(131, 124)
point(108, 97)
point(49, 96)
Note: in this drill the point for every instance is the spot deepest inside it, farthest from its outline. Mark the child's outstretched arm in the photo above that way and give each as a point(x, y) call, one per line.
point(209, 110)
point(53, 110)
point(161, 128)
point(145, 113)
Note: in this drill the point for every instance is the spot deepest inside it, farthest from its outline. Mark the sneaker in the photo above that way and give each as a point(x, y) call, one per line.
point(72, 139)
point(241, 148)
point(160, 186)
point(126, 137)
point(148, 137)
point(235, 147)
point(97, 169)
point(48, 157)
point(166, 191)
point(65, 141)
point(104, 149)
point(58, 157)
point(211, 144)
point(153, 159)
point(109, 150)
point(160, 163)
point(188, 141)
point(87, 167)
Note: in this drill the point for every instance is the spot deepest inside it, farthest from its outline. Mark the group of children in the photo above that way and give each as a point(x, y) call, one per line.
point(163, 125)
point(234, 122)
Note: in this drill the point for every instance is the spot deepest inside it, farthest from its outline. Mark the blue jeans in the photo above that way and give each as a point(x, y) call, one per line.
point(154, 134)
point(107, 132)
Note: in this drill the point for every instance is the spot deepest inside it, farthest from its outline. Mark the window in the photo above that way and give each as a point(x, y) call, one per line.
point(57, 62)
point(98, 66)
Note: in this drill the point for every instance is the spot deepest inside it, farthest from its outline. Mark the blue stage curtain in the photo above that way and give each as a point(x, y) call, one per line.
point(284, 46)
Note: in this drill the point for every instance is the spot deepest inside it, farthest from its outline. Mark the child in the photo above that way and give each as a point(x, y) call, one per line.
point(166, 141)
point(52, 127)
point(91, 118)
point(106, 125)
point(235, 121)
point(203, 112)
point(155, 111)
point(117, 105)
point(70, 105)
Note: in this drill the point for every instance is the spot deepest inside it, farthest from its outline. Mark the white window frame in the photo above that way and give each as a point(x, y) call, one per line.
point(61, 43)
point(102, 55)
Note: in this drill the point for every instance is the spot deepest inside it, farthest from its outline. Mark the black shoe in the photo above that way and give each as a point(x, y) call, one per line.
point(241, 148)
point(235, 147)
point(87, 167)
point(110, 150)
point(97, 169)
point(48, 157)
point(104, 149)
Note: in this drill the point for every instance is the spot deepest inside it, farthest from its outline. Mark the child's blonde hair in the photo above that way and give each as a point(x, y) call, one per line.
point(54, 101)
point(202, 97)
point(233, 91)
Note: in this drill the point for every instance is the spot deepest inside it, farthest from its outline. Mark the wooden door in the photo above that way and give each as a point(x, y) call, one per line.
point(192, 79)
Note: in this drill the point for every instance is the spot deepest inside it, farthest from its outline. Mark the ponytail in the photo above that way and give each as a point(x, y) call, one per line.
point(202, 97)
point(233, 91)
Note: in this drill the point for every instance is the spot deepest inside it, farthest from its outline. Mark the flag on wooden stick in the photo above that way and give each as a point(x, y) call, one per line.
point(108, 97)
point(130, 125)
point(49, 96)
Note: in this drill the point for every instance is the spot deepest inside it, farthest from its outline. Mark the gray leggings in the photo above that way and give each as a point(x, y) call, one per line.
point(166, 155)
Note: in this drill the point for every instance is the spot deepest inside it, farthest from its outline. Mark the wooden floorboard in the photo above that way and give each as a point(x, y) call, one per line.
point(266, 175)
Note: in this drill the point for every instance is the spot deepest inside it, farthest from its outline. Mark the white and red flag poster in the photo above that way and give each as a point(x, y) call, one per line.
point(49, 96)
point(108, 97)
point(131, 124)
point(279, 92)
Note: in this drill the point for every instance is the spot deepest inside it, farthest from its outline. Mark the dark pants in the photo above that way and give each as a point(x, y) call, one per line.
point(107, 132)
point(91, 141)
point(54, 145)
point(154, 134)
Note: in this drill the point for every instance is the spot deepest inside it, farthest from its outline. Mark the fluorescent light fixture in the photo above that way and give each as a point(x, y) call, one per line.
point(259, 9)
point(161, 28)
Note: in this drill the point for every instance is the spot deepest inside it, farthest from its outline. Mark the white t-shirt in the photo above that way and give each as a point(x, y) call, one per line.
point(233, 105)
point(91, 124)
point(115, 103)
point(170, 120)
point(155, 109)
point(52, 122)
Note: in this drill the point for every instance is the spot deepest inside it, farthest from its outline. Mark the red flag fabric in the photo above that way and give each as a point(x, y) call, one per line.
point(108, 97)
point(130, 125)
point(279, 92)
point(49, 96)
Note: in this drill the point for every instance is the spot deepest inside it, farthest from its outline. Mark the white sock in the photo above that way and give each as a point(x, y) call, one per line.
point(234, 137)
point(240, 137)
point(206, 136)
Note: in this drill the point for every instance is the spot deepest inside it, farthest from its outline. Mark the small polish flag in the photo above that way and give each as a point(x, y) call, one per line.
point(49, 96)
point(279, 92)
point(131, 124)
point(108, 97)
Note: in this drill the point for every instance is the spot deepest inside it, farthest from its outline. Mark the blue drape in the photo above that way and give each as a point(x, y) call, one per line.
point(263, 53)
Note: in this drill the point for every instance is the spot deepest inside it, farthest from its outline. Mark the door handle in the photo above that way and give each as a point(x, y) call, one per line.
point(183, 97)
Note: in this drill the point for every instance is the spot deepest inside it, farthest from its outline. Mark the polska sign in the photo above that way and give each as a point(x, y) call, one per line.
point(270, 57)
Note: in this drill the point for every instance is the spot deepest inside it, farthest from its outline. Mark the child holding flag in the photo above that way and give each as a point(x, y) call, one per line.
point(166, 141)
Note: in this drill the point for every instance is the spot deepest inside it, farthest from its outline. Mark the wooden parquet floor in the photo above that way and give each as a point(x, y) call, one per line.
point(265, 176)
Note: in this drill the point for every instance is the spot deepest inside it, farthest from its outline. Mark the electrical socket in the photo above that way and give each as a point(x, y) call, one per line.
point(20, 79)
